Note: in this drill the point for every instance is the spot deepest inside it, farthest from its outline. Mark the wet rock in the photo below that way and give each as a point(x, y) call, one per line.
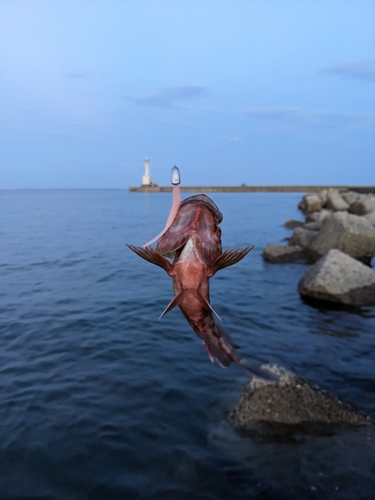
point(302, 237)
point(319, 216)
point(335, 201)
point(349, 233)
point(336, 277)
point(363, 206)
point(291, 404)
point(292, 223)
point(279, 254)
point(310, 203)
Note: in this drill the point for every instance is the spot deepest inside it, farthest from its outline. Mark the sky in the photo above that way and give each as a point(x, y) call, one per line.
point(261, 92)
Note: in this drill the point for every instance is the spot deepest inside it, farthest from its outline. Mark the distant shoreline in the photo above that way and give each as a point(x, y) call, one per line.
point(249, 189)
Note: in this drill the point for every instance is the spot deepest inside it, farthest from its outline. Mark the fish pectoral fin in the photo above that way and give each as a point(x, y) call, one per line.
point(173, 303)
point(151, 255)
point(228, 258)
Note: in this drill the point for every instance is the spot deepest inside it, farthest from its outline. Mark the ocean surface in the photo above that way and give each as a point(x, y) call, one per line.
point(99, 401)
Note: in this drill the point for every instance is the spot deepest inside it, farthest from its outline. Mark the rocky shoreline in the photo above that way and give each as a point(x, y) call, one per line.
point(338, 238)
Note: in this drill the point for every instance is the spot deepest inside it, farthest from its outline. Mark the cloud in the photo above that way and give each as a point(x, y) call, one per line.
point(294, 117)
point(231, 138)
point(172, 97)
point(363, 70)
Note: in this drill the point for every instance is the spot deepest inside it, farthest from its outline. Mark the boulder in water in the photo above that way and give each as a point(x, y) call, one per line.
point(349, 233)
point(336, 277)
point(302, 237)
point(280, 254)
point(310, 202)
point(291, 405)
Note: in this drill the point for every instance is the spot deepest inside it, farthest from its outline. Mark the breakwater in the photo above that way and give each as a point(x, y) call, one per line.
point(249, 189)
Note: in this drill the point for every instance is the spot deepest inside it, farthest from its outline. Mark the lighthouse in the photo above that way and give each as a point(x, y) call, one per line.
point(146, 178)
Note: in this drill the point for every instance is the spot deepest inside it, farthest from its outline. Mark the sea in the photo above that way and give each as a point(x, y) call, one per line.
point(100, 401)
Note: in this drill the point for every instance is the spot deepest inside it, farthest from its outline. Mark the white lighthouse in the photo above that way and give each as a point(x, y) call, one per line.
point(146, 178)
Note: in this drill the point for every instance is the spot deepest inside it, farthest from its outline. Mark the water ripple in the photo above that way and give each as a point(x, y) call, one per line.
point(101, 401)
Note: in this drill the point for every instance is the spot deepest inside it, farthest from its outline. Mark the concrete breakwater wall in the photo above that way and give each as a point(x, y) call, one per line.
point(250, 189)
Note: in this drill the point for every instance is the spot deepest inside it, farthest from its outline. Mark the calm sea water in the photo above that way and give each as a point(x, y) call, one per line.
point(100, 401)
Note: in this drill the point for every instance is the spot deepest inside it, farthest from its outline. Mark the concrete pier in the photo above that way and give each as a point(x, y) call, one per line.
point(249, 189)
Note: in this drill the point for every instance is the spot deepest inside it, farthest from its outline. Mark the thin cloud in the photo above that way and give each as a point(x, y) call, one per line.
point(231, 138)
point(172, 97)
point(299, 117)
point(363, 70)
point(84, 74)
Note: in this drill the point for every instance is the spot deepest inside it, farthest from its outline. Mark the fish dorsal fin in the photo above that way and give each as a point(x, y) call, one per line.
point(151, 255)
point(228, 258)
point(177, 299)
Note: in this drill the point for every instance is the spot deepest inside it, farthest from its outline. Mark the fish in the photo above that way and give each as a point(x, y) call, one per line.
point(191, 238)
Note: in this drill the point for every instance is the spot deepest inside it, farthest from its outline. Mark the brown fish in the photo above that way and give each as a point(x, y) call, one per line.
point(193, 237)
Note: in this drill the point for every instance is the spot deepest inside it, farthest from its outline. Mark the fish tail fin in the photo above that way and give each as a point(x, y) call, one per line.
point(221, 348)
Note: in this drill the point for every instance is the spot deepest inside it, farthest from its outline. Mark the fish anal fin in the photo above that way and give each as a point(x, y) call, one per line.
point(153, 256)
point(228, 258)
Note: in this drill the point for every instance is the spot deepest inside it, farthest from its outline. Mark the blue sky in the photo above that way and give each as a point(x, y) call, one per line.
point(255, 91)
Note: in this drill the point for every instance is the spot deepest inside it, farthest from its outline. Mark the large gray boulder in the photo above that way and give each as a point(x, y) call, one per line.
point(291, 404)
point(336, 277)
point(313, 226)
point(349, 196)
point(363, 206)
point(323, 195)
point(349, 233)
point(319, 216)
point(370, 217)
point(281, 254)
point(302, 237)
point(310, 202)
point(335, 201)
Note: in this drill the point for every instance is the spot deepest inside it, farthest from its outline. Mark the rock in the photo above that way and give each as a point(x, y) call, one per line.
point(302, 237)
point(349, 233)
point(283, 254)
point(292, 223)
point(363, 206)
point(336, 277)
point(310, 203)
point(319, 216)
point(370, 217)
point(290, 405)
point(313, 226)
point(323, 195)
point(350, 197)
point(335, 202)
